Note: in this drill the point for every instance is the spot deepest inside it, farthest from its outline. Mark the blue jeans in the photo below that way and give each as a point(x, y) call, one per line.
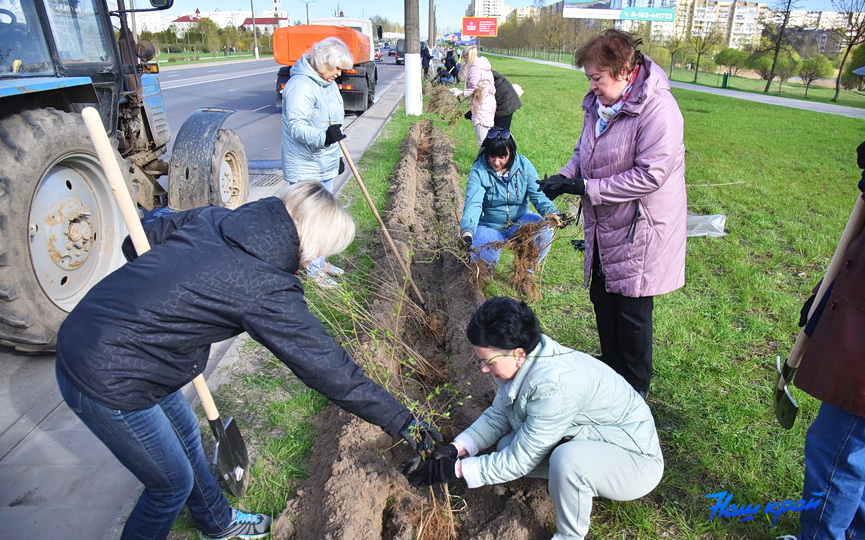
point(490, 254)
point(161, 446)
point(835, 465)
point(316, 267)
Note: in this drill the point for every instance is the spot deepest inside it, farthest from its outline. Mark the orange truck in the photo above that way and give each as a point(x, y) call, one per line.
point(357, 85)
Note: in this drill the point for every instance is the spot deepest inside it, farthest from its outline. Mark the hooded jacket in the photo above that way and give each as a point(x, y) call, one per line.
point(495, 204)
point(309, 105)
point(481, 91)
point(507, 99)
point(635, 206)
point(557, 393)
point(145, 330)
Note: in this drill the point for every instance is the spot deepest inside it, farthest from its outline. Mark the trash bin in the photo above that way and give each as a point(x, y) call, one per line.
point(724, 81)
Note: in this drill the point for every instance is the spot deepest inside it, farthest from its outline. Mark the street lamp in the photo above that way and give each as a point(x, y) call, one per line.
point(254, 35)
point(307, 8)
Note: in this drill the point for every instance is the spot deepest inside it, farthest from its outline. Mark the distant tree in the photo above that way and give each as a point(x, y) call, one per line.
point(852, 35)
point(732, 59)
point(704, 44)
point(761, 63)
point(818, 67)
point(298, 22)
point(788, 65)
point(672, 45)
point(849, 80)
point(777, 38)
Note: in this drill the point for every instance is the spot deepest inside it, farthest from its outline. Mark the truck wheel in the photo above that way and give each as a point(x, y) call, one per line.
point(60, 229)
point(230, 171)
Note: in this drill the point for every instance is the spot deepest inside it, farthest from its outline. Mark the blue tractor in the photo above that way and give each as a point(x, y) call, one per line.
point(60, 231)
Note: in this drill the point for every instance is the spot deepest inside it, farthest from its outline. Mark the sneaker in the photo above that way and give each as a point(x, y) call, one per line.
point(243, 525)
point(333, 270)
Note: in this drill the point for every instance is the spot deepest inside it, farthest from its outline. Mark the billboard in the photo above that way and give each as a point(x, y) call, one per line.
point(622, 10)
point(480, 26)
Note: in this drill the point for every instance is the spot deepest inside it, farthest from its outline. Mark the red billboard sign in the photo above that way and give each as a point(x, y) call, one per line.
point(480, 26)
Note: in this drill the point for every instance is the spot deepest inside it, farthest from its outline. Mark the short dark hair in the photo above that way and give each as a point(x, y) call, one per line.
point(505, 324)
point(612, 50)
point(499, 147)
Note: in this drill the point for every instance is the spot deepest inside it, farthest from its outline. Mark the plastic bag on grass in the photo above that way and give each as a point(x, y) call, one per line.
point(706, 225)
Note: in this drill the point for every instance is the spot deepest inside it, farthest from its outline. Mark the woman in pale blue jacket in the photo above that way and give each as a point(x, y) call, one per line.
point(500, 186)
point(312, 115)
point(558, 414)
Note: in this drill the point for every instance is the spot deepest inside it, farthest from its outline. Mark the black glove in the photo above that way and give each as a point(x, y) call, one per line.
point(416, 430)
point(333, 134)
point(467, 241)
point(860, 159)
point(341, 166)
point(430, 471)
point(557, 184)
point(445, 451)
point(468, 115)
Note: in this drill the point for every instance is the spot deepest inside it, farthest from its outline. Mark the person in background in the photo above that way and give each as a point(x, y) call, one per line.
point(143, 332)
point(500, 185)
point(507, 101)
point(425, 58)
point(558, 414)
point(629, 169)
point(452, 65)
point(312, 117)
point(481, 92)
point(832, 371)
point(443, 76)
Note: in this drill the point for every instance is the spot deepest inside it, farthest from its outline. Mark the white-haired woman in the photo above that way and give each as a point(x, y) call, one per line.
point(312, 117)
point(145, 331)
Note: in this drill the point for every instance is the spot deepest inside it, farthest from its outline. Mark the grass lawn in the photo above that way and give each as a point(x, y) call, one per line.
point(786, 181)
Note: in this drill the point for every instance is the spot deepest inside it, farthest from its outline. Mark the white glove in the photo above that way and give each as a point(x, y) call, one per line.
point(457, 92)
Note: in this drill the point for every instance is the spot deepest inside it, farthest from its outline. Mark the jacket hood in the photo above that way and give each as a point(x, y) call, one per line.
point(265, 230)
point(483, 63)
point(650, 80)
point(303, 67)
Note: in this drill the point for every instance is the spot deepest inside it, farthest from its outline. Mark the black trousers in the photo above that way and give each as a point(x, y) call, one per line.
point(503, 122)
point(625, 329)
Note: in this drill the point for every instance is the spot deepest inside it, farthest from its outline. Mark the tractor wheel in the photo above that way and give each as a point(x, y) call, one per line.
point(229, 171)
point(60, 229)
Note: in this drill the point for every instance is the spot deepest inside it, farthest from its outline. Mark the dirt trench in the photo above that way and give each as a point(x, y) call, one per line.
point(355, 489)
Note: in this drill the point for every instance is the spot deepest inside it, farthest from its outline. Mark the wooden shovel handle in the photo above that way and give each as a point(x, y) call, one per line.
point(105, 152)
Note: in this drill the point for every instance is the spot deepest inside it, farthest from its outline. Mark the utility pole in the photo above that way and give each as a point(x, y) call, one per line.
point(431, 36)
point(413, 95)
point(254, 35)
point(307, 8)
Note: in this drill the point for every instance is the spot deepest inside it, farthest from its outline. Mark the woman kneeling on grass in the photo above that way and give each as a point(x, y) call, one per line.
point(558, 414)
point(500, 186)
point(143, 332)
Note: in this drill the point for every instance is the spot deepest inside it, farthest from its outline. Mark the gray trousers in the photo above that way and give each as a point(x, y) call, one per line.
point(579, 470)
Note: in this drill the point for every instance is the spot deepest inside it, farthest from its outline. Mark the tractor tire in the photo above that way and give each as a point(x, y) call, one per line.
point(229, 171)
point(60, 229)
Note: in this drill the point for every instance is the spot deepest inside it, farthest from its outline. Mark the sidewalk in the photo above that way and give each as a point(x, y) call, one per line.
point(59, 480)
point(827, 108)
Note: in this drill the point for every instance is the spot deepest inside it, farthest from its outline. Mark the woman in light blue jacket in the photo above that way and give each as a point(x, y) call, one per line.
point(312, 115)
point(500, 186)
point(558, 414)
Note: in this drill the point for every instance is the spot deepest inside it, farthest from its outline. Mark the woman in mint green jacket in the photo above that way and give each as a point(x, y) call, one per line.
point(558, 414)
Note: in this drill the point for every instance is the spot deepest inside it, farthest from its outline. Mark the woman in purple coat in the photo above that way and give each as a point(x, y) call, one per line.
point(629, 168)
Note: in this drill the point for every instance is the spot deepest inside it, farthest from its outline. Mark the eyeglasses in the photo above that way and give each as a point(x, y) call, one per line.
point(498, 132)
point(484, 362)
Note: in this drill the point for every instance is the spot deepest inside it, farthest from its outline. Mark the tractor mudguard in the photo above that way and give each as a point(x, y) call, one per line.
point(191, 157)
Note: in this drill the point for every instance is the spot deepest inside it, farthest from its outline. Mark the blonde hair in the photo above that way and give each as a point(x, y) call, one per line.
point(330, 53)
point(323, 225)
point(470, 54)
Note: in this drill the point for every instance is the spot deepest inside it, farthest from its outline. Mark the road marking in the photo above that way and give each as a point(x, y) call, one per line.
point(208, 80)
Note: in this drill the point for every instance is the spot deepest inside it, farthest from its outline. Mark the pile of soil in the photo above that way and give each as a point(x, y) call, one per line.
point(355, 489)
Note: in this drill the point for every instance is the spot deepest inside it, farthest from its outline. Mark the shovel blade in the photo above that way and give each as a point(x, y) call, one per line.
point(232, 459)
point(784, 405)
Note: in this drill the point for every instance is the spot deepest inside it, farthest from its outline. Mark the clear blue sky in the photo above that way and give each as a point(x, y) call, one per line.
point(449, 13)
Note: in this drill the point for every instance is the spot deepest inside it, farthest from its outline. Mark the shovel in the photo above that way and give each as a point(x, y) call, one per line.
point(231, 457)
point(783, 403)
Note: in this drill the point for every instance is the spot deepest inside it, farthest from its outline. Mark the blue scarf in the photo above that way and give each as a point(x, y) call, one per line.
point(605, 114)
